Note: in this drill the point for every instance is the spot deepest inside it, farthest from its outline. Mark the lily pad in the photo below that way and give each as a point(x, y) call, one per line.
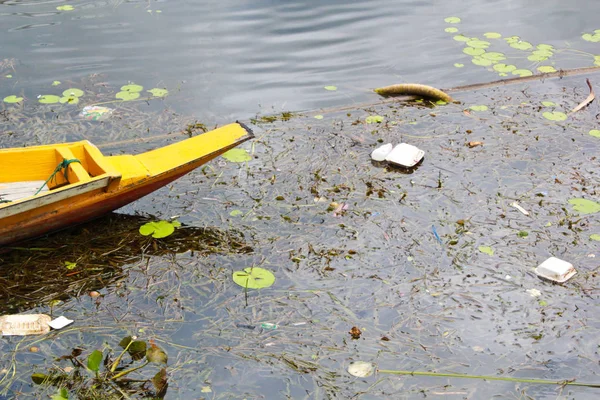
point(459, 65)
point(504, 68)
point(486, 250)
point(461, 38)
point(48, 99)
point(451, 29)
point(65, 8)
point(254, 278)
point(452, 20)
point(12, 99)
point(555, 115)
point(69, 100)
point(595, 133)
point(472, 51)
point(157, 92)
point(548, 104)
point(237, 155)
point(595, 37)
point(521, 45)
point(492, 35)
point(132, 88)
point(372, 119)
point(55, 83)
point(127, 96)
point(479, 60)
point(494, 56)
point(584, 206)
point(318, 116)
point(73, 92)
point(332, 88)
point(522, 234)
point(543, 46)
point(235, 213)
point(595, 236)
point(159, 229)
point(478, 44)
point(512, 39)
point(546, 69)
point(479, 108)
point(522, 72)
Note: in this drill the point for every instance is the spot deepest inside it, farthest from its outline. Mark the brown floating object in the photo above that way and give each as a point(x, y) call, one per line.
point(415, 89)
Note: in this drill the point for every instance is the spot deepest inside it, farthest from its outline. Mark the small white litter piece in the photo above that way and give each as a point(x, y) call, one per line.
point(405, 155)
point(555, 270)
point(361, 369)
point(24, 324)
point(518, 207)
point(380, 153)
point(60, 322)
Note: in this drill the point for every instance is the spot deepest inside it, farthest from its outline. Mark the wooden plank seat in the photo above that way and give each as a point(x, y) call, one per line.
point(11, 191)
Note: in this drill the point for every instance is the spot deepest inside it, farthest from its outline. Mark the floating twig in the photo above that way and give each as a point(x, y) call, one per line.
point(587, 101)
point(414, 89)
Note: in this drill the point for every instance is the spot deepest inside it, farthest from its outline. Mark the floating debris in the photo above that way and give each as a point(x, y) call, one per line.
point(355, 332)
point(361, 369)
point(414, 89)
point(60, 322)
point(405, 155)
point(380, 153)
point(555, 270)
point(518, 207)
point(24, 324)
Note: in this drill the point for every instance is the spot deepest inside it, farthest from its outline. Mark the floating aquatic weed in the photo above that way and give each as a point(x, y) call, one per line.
point(479, 108)
point(522, 234)
point(548, 104)
point(452, 20)
point(319, 116)
point(129, 92)
point(546, 69)
point(492, 35)
point(597, 60)
point(592, 37)
point(540, 55)
point(459, 65)
point(504, 68)
point(521, 45)
point(372, 119)
point(12, 99)
point(237, 155)
point(332, 88)
point(48, 99)
point(159, 229)
point(254, 278)
point(157, 92)
point(55, 83)
point(486, 250)
point(594, 133)
point(461, 38)
point(235, 213)
point(494, 56)
point(473, 51)
point(479, 60)
point(71, 96)
point(522, 72)
point(478, 44)
point(65, 8)
point(451, 29)
point(595, 237)
point(70, 265)
point(555, 115)
point(584, 206)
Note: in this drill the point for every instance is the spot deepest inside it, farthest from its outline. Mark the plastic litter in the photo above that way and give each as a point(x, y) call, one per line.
point(268, 326)
point(380, 153)
point(555, 270)
point(95, 113)
point(405, 155)
point(60, 322)
point(24, 324)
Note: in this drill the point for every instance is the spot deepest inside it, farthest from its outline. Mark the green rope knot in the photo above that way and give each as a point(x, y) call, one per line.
point(62, 166)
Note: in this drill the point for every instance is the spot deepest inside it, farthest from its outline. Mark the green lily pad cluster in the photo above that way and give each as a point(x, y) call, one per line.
point(592, 37)
point(374, 119)
point(133, 91)
point(69, 96)
point(478, 50)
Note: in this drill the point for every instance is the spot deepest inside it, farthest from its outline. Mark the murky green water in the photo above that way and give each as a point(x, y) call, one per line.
point(443, 305)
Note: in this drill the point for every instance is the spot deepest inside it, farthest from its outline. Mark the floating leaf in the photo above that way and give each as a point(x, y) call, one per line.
point(372, 119)
point(70, 265)
point(12, 99)
point(156, 355)
point(237, 155)
point(69, 100)
point(55, 83)
point(48, 99)
point(597, 60)
point(132, 88)
point(522, 72)
point(127, 96)
point(330, 88)
point(555, 115)
point(158, 229)
point(8, 76)
point(63, 394)
point(494, 56)
point(595, 133)
point(160, 381)
point(65, 8)
point(157, 92)
point(479, 108)
point(484, 62)
point(521, 45)
point(478, 44)
point(546, 69)
point(591, 37)
point(584, 206)
point(94, 360)
point(451, 29)
point(486, 250)
point(472, 51)
point(461, 38)
point(545, 47)
point(548, 104)
point(452, 20)
point(318, 116)
point(235, 213)
point(361, 369)
point(512, 39)
point(523, 234)
point(73, 92)
point(254, 278)
point(595, 236)
point(504, 68)
point(492, 35)
point(459, 65)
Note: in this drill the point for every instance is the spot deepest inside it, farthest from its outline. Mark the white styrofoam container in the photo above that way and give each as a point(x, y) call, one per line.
point(405, 155)
point(380, 153)
point(555, 270)
point(24, 324)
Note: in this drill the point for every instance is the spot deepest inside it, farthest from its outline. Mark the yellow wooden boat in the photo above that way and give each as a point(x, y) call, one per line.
point(47, 188)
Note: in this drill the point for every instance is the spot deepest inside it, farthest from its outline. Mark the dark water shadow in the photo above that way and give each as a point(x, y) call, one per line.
point(36, 273)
